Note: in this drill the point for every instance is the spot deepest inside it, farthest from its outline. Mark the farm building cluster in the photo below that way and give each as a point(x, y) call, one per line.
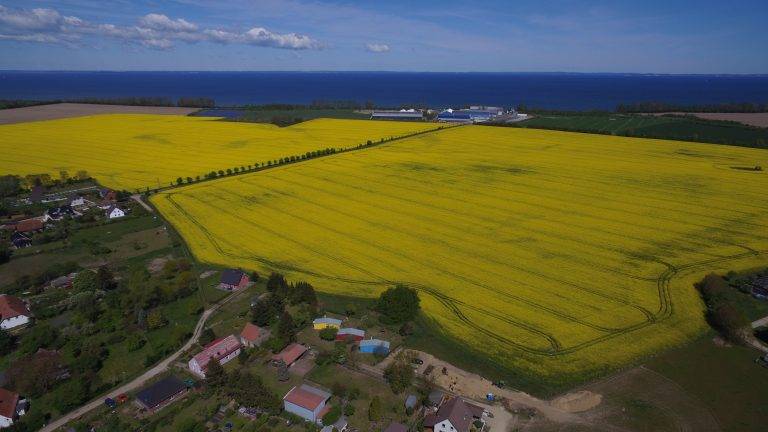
point(472, 114)
point(26, 229)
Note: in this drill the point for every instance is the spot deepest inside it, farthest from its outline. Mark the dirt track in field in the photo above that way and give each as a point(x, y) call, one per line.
point(66, 110)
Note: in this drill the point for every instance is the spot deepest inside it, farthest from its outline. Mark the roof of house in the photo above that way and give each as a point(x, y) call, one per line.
point(290, 354)
point(435, 397)
point(457, 411)
point(307, 397)
point(8, 402)
point(350, 331)
point(374, 342)
point(251, 332)
point(326, 320)
point(217, 349)
point(29, 225)
point(231, 276)
point(160, 391)
point(11, 306)
point(112, 208)
point(396, 427)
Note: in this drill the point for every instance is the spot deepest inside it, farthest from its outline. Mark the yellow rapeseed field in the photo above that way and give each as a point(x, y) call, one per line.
point(130, 151)
point(557, 255)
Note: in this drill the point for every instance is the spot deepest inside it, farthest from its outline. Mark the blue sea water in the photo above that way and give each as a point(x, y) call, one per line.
point(541, 90)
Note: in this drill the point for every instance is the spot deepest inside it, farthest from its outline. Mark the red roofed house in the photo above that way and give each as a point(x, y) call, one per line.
point(455, 415)
point(10, 407)
point(223, 350)
point(29, 225)
point(13, 312)
point(253, 335)
point(290, 354)
point(350, 334)
point(307, 402)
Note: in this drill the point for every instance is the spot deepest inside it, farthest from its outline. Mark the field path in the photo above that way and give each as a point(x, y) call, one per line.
point(146, 376)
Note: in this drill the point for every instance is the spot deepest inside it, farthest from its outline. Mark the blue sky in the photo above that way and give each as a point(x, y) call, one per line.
point(652, 36)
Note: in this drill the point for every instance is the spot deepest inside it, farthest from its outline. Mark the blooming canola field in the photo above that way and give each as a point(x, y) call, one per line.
point(138, 151)
point(556, 255)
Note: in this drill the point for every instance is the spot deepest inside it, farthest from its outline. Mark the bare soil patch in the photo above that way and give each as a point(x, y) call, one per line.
point(579, 401)
point(67, 110)
point(752, 119)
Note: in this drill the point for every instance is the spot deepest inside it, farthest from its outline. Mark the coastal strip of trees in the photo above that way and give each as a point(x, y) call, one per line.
point(659, 107)
point(153, 101)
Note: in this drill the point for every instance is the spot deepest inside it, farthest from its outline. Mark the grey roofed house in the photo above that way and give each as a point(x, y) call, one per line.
point(20, 240)
point(396, 427)
point(457, 411)
point(161, 392)
point(231, 276)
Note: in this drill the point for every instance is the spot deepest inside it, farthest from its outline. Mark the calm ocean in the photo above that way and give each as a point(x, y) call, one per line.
point(542, 90)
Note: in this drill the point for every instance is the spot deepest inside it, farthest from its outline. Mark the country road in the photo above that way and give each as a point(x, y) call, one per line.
point(146, 376)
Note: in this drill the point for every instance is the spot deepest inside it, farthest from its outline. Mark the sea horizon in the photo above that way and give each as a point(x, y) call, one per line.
point(546, 90)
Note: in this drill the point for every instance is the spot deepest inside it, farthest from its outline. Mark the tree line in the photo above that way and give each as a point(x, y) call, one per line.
point(657, 107)
point(186, 102)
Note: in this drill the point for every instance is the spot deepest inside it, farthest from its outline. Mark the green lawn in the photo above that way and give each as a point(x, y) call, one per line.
point(662, 127)
point(726, 379)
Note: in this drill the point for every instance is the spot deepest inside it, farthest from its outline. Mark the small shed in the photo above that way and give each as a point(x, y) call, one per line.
point(350, 334)
point(435, 398)
point(374, 346)
point(290, 354)
point(325, 322)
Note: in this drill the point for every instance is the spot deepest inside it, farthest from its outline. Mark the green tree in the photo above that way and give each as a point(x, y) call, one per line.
point(328, 333)
point(398, 304)
point(375, 410)
point(207, 336)
point(399, 375)
point(262, 313)
point(7, 342)
point(215, 376)
point(179, 180)
point(105, 280)
point(85, 281)
point(155, 319)
point(286, 330)
point(5, 253)
point(332, 415)
point(190, 424)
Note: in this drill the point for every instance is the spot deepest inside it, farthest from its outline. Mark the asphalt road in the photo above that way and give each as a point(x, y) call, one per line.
point(146, 376)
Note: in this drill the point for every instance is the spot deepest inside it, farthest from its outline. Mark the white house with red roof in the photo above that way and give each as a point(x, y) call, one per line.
point(223, 350)
point(11, 407)
point(307, 402)
point(13, 312)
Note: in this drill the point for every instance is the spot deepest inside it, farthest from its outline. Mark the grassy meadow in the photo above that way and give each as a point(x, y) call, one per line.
point(553, 254)
point(125, 151)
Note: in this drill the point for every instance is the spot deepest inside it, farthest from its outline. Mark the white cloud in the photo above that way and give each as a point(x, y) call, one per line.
point(263, 37)
point(163, 23)
point(377, 48)
point(153, 30)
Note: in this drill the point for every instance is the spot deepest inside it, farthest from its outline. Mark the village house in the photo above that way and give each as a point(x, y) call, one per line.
point(339, 426)
point(20, 240)
point(307, 402)
point(349, 334)
point(114, 212)
point(13, 312)
point(29, 225)
point(289, 354)
point(11, 407)
point(223, 350)
point(161, 394)
point(77, 201)
point(455, 415)
point(374, 346)
point(325, 322)
point(58, 213)
point(233, 279)
point(108, 195)
point(63, 281)
point(253, 335)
